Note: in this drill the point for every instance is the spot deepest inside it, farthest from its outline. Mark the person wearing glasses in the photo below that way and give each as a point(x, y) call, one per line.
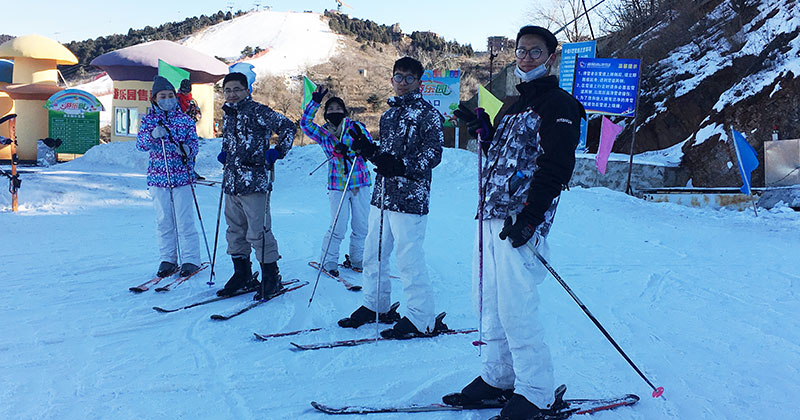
point(410, 147)
point(247, 158)
point(530, 156)
point(335, 140)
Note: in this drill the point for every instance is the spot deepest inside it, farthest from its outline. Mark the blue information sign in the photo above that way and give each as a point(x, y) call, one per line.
point(569, 52)
point(607, 85)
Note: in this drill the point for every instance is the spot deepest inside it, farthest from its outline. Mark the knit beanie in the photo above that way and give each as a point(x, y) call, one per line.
point(161, 83)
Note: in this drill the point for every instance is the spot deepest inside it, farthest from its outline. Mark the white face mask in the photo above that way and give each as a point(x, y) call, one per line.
point(535, 73)
point(167, 104)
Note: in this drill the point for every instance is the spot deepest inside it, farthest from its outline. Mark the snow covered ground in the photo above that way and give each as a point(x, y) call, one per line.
point(705, 302)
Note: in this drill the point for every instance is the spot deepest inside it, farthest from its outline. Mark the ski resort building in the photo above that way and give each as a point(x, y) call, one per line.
point(34, 79)
point(132, 69)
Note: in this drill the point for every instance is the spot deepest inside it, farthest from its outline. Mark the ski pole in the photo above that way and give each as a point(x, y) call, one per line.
point(480, 341)
point(264, 229)
point(657, 392)
point(185, 160)
point(333, 228)
point(320, 165)
point(380, 262)
point(216, 235)
point(171, 201)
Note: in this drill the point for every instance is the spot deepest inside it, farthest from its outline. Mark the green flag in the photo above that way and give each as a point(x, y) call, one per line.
point(172, 73)
point(308, 88)
point(488, 102)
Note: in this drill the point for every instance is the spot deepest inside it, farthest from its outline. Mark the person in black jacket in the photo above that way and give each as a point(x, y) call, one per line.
point(529, 159)
point(411, 146)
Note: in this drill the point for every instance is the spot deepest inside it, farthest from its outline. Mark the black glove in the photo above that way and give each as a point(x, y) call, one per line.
point(477, 122)
point(340, 150)
point(361, 144)
point(519, 229)
point(319, 94)
point(388, 165)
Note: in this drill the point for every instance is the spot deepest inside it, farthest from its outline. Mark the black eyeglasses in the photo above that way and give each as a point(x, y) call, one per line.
point(533, 53)
point(235, 90)
point(408, 78)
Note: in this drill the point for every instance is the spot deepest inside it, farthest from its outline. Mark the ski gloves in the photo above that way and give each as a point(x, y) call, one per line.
point(318, 94)
point(271, 155)
point(388, 165)
point(158, 132)
point(340, 150)
point(519, 229)
point(361, 144)
point(478, 123)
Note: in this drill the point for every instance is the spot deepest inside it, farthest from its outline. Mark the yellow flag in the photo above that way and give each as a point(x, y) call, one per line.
point(489, 102)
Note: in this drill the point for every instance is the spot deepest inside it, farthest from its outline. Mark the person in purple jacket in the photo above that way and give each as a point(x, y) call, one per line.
point(335, 141)
point(170, 137)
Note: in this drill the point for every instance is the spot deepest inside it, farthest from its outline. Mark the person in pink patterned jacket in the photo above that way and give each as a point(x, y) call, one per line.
point(170, 137)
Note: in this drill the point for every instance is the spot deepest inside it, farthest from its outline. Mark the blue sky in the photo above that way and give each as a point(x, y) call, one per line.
point(466, 21)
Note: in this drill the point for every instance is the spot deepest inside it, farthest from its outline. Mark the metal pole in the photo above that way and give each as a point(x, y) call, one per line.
point(657, 392)
point(264, 229)
point(380, 251)
point(320, 165)
point(171, 201)
point(216, 236)
point(480, 341)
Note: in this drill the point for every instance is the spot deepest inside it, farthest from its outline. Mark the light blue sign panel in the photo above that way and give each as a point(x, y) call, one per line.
point(607, 86)
point(569, 52)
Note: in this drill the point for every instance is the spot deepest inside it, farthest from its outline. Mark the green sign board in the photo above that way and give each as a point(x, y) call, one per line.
point(74, 117)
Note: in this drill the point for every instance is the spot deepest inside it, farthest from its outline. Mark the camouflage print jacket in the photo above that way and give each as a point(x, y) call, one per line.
point(410, 130)
point(532, 154)
point(247, 128)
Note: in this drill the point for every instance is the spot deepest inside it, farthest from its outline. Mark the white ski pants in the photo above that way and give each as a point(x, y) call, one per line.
point(515, 355)
point(406, 233)
point(355, 207)
point(172, 235)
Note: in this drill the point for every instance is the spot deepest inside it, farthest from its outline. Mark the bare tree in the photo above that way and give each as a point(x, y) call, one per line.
point(563, 13)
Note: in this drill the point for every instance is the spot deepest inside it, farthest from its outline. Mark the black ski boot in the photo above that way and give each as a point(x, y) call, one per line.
point(270, 281)
point(404, 329)
point(348, 263)
point(478, 393)
point(188, 269)
point(364, 315)
point(166, 269)
point(519, 408)
point(242, 274)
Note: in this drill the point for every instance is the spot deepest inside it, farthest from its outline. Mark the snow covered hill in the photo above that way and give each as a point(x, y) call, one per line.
point(705, 302)
point(293, 41)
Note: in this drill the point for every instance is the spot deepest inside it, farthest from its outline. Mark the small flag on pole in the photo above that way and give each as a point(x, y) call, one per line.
point(489, 102)
point(308, 88)
point(608, 133)
point(746, 157)
point(172, 73)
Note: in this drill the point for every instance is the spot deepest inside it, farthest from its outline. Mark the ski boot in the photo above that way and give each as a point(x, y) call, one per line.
point(270, 281)
point(188, 269)
point(364, 315)
point(478, 394)
point(166, 269)
point(242, 274)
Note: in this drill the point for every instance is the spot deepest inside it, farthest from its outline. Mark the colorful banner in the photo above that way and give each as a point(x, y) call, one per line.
point(569, 52)
point(608, 133)
point(607, 85)
point(489, 102)
point(442, 88)
point(746, 157)
point(74, 117)
point(308, 88)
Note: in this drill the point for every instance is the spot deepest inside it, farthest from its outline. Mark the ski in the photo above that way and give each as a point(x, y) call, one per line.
point(567, 409)
point(179, 280)
point(218, 317)
point(215, 299)
point(148, 284)
point(349, 286)
point(358, 342)
point(265, 337)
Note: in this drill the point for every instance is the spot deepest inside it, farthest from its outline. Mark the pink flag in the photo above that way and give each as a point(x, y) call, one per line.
point(608, 133)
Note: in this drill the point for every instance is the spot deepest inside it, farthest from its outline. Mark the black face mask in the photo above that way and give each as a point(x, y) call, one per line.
point(335, 118)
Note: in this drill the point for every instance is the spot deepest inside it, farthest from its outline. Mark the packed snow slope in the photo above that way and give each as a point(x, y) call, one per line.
point(293, 41)
point(705, 302)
